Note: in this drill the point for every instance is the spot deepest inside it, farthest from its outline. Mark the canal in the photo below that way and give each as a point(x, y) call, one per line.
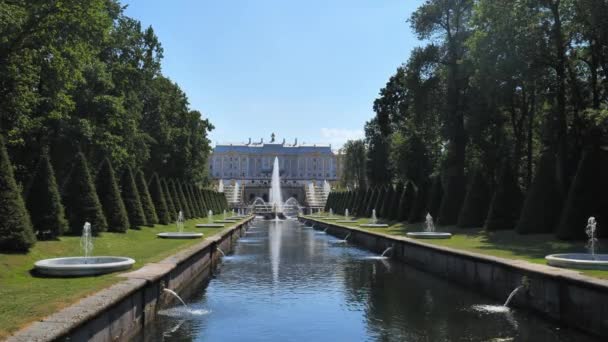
point(287, 282)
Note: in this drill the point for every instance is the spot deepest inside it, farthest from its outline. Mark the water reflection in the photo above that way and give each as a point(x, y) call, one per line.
point(286, 283)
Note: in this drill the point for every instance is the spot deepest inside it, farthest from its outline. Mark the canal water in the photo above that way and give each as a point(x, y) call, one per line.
point(286, 282)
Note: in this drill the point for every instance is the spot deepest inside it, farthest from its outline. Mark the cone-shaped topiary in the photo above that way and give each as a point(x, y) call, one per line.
point(131, 199)
point(388, 202)
point(109, 196)
point(175, 196)
point(328, 201)
point(475, 207)
point(158, 199)
point(197, 208)
point(16, 233)
point(201, 198)
point(80, 199)
point(541, 210)
point(586, 197)
point(406, 201)
point(506, 203)
point(44, 202)
point(182, 200)
point(372, 202)
point(380, 200)
point(394, 208)
point(146, 199)
point(435, 196)
point(172, 212)
point(452, 200)
point(418, 210)
point(362, 207)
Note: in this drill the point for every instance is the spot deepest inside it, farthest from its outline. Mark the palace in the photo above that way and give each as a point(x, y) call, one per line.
point(251, 163)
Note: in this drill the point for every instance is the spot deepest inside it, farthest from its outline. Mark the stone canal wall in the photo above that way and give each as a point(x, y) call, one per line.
point(562, 295)
point(121, 311)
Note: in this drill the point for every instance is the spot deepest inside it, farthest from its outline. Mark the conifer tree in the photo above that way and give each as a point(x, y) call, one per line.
point(43, 201)
point(434, 197)
point(146, 199)
point(158, 199)
point(16, 233)
point(175, 196)
point(418, 210)
point(131, 199)
point(110, 198)
point(80, 199)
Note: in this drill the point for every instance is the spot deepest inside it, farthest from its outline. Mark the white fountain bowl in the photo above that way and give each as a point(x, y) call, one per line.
point(210, 225)
point(579, 260)
point(429, 235)
point(330, 218)
point(177, 235)
point(224, 221)
point(83, 266)
point(373, 225)
point(346, 221)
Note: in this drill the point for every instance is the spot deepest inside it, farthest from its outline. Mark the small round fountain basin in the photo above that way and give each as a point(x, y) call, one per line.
point(346, 221)
point(429, 235)
point(177, 235)
point(373, 225)
point(579, 260)
point(83, 266)
point(209, 225)
point(223, 221)
point(330, 218)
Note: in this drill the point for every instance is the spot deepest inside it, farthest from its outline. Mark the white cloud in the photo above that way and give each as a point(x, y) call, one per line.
point(338, 136)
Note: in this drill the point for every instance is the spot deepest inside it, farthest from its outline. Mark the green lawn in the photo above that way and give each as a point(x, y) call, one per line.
point(25, 298)
point(505, 244)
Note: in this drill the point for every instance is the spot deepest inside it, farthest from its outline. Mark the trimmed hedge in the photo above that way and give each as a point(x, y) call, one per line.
point(505, 206)
point(80, 199)
point(16, 233)
point(453, 197)
point(110, 198)
point(172, 212)
point(146, 199)
point(158, 199)
point(543, 203)
point(43, 201)
point(586, 197)
point(131, 199)
point(475, 207)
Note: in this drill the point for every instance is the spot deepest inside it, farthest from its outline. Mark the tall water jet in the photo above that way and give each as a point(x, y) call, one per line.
point(346, 214)
point(429, 225)
point(86, 240)
point(590, 260)
point(275, 197)
point(235, 193)
point(220, 187)
point(326, 188)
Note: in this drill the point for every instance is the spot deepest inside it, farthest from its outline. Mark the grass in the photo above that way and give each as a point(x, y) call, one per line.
point(505, 244)
point(25, 298)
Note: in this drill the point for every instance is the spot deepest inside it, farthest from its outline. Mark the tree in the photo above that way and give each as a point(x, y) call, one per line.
point(388, 202)
point(419, 206)
point(175, 197)
point(406, 201)
point(81, 200)
point(354, 169)
point(131, 199)
point(146, 199)
point(435, 196)
point(110, 198)
point(16, 233)
point(505, 206)
point(158, 198)
point(44, 201)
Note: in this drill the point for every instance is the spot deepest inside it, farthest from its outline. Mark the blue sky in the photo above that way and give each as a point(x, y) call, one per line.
point(308, 69)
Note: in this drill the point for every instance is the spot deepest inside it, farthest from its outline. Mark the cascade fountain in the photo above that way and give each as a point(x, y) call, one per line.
point(429, 231)
point(591, 260)
point(326, 188)
point(83, 266)
point(180, 234)
point(373, 223)
point(220, 186)
point(209, 223)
